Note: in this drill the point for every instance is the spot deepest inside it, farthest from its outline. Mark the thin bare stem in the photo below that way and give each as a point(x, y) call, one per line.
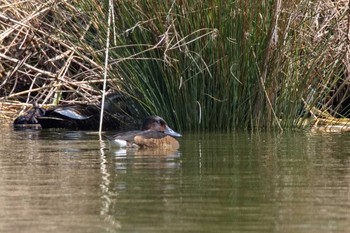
point(110, 9)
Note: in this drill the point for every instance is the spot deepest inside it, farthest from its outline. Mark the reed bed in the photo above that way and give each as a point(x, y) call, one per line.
point(207, 65)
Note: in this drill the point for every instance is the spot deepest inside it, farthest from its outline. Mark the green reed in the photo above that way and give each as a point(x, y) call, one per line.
point(202, 66)
point(196, 64)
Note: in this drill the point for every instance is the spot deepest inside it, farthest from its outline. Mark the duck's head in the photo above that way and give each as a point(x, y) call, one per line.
point(158, 124)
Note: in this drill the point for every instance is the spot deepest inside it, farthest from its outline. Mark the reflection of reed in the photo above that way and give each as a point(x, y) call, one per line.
point(105, 183)
point(105, 179)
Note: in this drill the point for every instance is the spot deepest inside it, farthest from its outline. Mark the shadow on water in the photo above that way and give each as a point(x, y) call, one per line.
point(239, 182)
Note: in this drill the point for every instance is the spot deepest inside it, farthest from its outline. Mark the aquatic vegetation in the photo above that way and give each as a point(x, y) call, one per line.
point(208, 65)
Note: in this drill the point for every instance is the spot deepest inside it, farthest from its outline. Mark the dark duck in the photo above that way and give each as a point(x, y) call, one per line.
point(154, 133)
point(117, 115)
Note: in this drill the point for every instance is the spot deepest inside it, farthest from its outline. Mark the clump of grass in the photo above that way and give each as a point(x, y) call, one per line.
point(196, 64)
point(37, 62)
point(314, 61)
point(208, 65)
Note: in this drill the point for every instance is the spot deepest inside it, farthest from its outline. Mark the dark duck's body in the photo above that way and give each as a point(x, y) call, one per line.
point(77, 116)
point(117, 115)
point(155, 133)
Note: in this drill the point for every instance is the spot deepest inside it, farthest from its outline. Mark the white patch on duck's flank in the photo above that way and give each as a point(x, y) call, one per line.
point(119, 143)
point(71, 113)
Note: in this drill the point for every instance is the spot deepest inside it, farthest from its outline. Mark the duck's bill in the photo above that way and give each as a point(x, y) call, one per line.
point(171, 132)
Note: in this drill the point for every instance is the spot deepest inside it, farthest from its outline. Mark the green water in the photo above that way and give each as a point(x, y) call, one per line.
point(66, 181)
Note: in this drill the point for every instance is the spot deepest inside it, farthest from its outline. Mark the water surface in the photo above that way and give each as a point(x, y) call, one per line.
point(69, 181)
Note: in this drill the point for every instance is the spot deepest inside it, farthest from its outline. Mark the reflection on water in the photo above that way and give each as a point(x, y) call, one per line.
point(241, 182)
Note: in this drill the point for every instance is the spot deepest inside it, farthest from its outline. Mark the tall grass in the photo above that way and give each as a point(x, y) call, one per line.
point(202, 65)
point(197, 64)
point(221, 64)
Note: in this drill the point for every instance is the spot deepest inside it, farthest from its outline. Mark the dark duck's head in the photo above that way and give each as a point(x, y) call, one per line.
point(157, 123)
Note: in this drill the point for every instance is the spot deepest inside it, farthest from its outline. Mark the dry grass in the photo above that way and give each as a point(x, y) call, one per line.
point(9, 111)
point(37, 60)
point(39, 63)
point(331, 23)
